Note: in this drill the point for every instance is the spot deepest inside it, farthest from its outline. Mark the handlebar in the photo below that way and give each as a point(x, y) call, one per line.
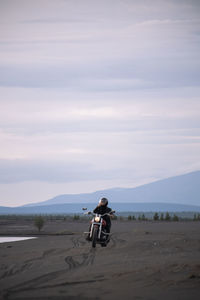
point(91, 213)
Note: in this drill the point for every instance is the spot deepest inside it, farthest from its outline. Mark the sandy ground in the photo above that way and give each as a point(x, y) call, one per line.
point(144, 260)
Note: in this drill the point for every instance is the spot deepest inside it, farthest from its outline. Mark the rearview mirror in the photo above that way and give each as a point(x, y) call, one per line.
point(87, 213)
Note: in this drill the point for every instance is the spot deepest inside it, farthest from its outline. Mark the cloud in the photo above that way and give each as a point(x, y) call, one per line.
point(59, 20)
point(16, 171)
point(71, 157)
point(13, 171)
point(123, 75)
point(126, 157)
point(98, 92)
point(139, 47)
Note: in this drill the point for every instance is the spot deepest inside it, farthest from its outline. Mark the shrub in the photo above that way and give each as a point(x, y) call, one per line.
point(76, 217)
point(161, 217)
point(143, 217)
point(175, 218)
point(167, 217)
point(196, 217)
point(39, 222)
point(156, 217)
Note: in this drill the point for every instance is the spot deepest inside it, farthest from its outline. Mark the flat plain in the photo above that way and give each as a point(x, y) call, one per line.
point(144, 260)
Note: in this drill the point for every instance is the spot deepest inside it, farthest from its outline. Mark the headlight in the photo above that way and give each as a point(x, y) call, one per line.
point(97, 219)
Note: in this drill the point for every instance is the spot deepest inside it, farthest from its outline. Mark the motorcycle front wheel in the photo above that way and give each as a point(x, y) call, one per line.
point(94, 237)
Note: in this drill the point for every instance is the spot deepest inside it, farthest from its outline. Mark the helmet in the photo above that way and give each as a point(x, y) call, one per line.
point(103, 201)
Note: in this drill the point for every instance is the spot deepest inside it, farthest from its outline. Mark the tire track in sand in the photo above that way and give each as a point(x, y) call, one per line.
point(73, 262)
point(80, 260)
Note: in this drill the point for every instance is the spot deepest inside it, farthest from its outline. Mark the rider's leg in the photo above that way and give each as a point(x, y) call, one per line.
point(108, 227)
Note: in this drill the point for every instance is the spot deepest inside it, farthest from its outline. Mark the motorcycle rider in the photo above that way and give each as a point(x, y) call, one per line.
point(102, 208)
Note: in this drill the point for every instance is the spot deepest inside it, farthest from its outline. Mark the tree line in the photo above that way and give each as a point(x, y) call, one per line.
point(161, 217)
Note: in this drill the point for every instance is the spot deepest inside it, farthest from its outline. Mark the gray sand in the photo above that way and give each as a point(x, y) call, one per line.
point(144, 260)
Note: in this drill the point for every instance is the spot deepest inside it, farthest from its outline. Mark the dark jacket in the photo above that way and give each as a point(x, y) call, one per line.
point(102, 210)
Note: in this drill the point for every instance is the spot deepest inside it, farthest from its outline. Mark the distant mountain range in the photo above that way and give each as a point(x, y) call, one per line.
point(75, 208)
point(183, 189)
point(180, 193)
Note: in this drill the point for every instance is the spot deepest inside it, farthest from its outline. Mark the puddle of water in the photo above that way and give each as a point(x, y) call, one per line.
point(7, 239)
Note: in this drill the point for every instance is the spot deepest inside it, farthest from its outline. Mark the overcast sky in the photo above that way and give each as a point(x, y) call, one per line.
point(96, 94)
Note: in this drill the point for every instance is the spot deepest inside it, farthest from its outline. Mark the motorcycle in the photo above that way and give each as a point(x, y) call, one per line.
point(97, 234)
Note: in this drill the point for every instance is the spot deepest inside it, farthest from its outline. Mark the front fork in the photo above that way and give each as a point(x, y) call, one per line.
point(97, 225)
